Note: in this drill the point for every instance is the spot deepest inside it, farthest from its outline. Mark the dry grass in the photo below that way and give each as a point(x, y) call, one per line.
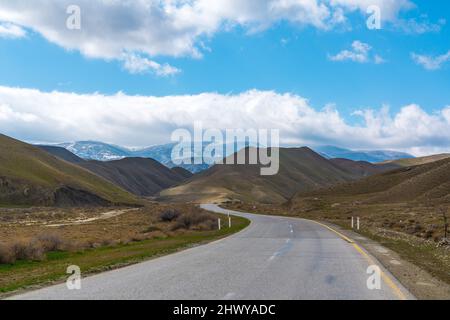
point(25, 234)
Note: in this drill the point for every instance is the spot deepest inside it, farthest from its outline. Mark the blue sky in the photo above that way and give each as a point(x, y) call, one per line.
point(286, 56)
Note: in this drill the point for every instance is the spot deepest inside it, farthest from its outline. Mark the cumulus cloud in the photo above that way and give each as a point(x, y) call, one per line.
point(431, 62)
point(360, 52)
point(11, 31)
point(145, 120)
point(155, 28)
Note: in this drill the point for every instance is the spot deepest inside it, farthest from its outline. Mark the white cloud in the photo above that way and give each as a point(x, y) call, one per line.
point(136, 64)
point(360, 53)
point(379, 59)
point(431, 62)
point(155, 28)
point(140, 120)
point(11, 31)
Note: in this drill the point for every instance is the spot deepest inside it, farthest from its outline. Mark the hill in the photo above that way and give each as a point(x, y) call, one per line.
point(140, 176)
point(31, 176)
point(417, 161)
point(301, 169)
point(62, 153)
point(428, 182)
point(363, 168)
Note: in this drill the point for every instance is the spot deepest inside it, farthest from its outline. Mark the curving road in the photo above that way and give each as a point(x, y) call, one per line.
point(274, 258)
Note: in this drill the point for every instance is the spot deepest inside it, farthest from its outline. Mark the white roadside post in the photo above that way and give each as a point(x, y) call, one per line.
point(229, 221)
point(219, 223)
point(353, 222)
point(357, 224)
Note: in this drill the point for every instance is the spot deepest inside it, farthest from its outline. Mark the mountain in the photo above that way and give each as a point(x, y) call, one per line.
point(31, 176)
point(331, 152)
point(140, 176)
point(417, 161)
point(301, 169)
point(427, 182)
point(94, 150)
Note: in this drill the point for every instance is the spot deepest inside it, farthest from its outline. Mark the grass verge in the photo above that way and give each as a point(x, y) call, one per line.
point(24, 274)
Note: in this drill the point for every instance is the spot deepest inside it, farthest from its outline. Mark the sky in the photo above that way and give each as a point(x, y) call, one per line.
point(321, 71)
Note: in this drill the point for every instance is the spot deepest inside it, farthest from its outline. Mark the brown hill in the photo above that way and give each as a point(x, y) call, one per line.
point(62, 153)
point(186, 174)
point(31, 176)
point(363, 168)
point(419, 183)
point(417, 161)
point(140, 176)
point(301, 169)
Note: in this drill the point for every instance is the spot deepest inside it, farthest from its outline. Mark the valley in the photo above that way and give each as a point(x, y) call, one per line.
point(57, 207)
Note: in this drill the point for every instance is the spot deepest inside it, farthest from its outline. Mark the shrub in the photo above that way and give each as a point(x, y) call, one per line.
point(169, 215)
point(33, 251)
point(190, 220)
point(7, 255)
point(50, 242)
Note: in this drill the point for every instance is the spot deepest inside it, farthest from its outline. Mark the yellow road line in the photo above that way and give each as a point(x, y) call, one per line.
point(338, 233)
point(384, 276)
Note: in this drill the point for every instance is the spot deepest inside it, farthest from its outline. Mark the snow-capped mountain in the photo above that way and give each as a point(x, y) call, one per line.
point(94, 150)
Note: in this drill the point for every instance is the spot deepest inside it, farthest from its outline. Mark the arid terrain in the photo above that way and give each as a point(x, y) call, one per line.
point(37, 244)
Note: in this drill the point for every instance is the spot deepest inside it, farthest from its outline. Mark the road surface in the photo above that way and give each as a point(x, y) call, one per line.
point(274, 258)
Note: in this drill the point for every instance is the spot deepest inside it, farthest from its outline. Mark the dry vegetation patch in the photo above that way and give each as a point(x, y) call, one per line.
point(29, 234)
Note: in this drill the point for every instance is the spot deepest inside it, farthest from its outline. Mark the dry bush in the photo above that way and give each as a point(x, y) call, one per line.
point(169, 215)
point(192, 220)
point(32, 251)
point(7, 255)
point(51, 242)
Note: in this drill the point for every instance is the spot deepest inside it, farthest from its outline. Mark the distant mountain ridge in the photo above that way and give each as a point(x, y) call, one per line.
point(100, 151)
point(93, 150)
point(376, 156)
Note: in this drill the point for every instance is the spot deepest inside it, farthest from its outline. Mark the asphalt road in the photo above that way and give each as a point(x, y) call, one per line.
point(274, 258)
